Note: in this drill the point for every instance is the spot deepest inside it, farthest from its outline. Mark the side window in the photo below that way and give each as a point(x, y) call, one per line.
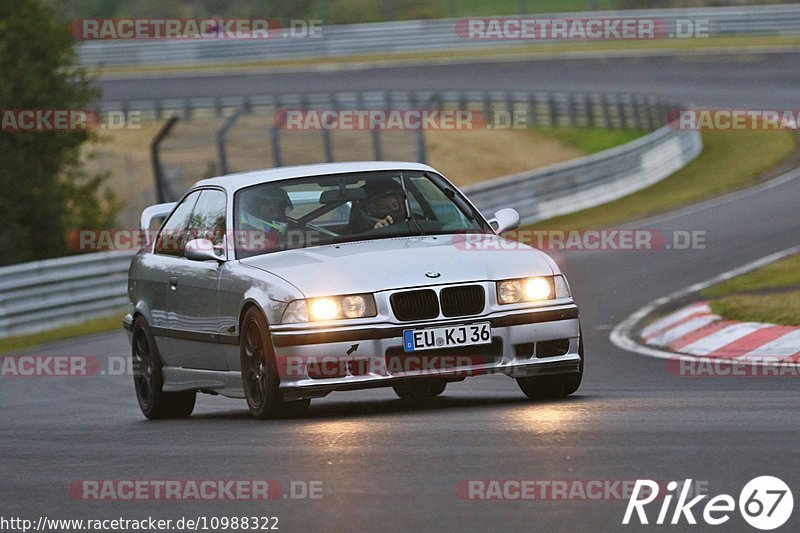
point(208, 218)
point(172, 238)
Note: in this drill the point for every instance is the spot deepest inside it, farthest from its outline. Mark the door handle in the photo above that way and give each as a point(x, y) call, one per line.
point(173, 282)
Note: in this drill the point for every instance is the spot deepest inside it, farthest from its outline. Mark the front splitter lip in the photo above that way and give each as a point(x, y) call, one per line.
point(316, 388)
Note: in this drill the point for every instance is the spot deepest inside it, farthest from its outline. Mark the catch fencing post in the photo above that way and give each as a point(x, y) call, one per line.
point(376, 144)
point(163, 194)
point(276, 144)
point(221, 133)
point(327, 145)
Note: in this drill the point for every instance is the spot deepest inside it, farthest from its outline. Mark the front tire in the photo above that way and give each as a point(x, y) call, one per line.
point(553, 387)
point(149, 380)
point(260, 376)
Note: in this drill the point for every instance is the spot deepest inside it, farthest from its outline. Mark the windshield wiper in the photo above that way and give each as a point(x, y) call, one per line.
point(409, 214)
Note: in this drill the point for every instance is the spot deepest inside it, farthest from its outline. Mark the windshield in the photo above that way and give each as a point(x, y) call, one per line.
point(304, 212)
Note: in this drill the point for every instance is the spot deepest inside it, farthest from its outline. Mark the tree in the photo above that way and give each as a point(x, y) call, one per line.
point(44, 192)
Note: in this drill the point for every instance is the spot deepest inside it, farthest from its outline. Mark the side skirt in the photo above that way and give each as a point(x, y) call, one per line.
point(221, 382)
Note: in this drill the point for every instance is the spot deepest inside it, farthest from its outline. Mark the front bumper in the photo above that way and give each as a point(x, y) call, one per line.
point(313, 363)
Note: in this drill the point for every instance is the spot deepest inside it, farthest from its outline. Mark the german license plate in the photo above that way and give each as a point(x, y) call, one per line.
point(447, 337)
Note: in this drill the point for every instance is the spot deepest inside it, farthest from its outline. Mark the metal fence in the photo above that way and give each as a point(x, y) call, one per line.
point(409, 36)
point(245, 133)
point(45, 294)
point(634, 111)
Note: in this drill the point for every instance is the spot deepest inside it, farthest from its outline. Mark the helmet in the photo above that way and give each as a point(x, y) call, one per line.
point(266, 207)
point(377, 187)
point(384, 197)
point(267, 202)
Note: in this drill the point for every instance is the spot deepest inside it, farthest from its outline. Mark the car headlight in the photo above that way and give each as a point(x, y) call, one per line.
point(533, 289)
point(330, 308)
point(323, 309)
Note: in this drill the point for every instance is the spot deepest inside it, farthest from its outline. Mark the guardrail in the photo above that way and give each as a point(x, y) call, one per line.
point(54, 292)
point(409, 36)
point(589, 181)
point(45, 294)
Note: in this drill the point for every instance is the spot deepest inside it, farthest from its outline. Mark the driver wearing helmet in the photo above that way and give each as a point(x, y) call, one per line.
point(384, 203)
point(266, 209)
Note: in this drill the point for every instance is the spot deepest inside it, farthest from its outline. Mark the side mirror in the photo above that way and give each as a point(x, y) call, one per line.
point(202, 250)
point(505, 220)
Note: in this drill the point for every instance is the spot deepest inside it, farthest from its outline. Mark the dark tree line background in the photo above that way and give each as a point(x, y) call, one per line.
point(44, 192)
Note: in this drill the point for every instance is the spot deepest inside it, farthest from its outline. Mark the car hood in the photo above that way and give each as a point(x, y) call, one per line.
point(394, 263)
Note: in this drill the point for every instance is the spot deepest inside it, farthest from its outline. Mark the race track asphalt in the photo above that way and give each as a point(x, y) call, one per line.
point(726, 79)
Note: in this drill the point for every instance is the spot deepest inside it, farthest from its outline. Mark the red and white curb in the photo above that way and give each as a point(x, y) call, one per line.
point(696, 330)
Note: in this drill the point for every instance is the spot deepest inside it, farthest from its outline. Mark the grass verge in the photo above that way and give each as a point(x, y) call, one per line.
point(776, 308)
point(769, 294)
point(589, 140)
point(776, 276)
point(98, 325)
point(730, 160)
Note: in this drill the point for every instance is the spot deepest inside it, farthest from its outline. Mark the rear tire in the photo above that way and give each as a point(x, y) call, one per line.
point(556, 386)
point(148, 379)
point(417, 391)
point(260, 376)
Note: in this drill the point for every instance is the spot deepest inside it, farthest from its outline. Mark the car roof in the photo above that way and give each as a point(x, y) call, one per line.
point(234, 182)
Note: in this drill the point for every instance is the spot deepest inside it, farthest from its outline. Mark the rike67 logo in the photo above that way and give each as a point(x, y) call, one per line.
point(765, 503)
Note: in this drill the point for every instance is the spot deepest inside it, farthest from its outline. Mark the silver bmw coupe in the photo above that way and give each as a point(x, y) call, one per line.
point(283, 285)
